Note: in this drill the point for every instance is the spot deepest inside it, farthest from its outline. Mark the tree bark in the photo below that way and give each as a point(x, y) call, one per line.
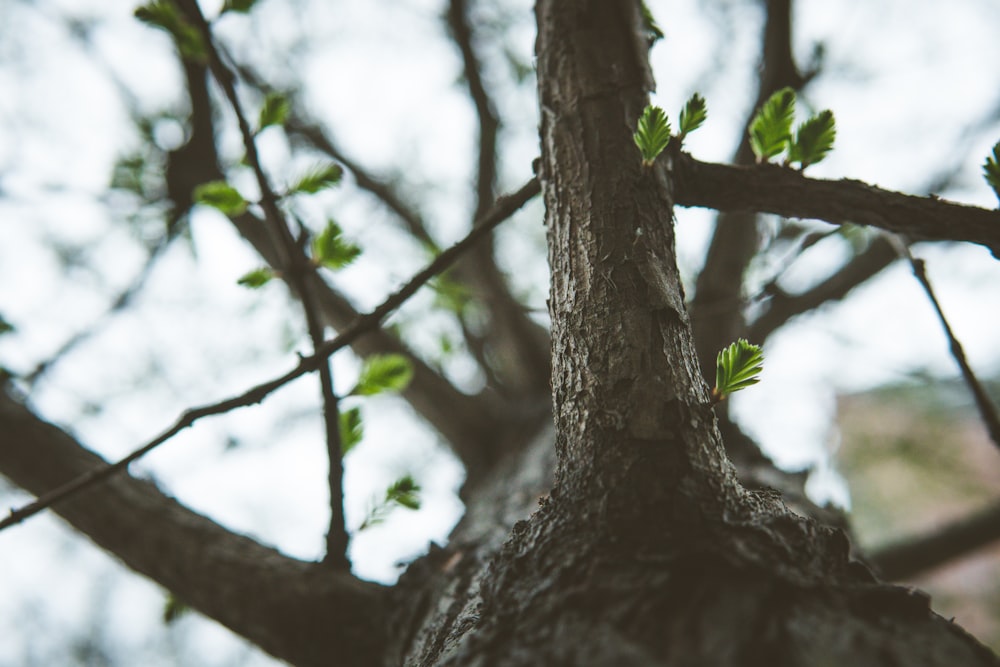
point(647, 551)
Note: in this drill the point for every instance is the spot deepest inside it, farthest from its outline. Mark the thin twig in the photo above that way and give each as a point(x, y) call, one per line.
point(503, 209)
point(987, 410)
point(300, 269)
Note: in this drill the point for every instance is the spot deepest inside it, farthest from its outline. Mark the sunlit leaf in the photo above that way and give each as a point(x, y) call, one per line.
point(331, 250)
point(222, 196)
point(383, 372)
point(813, 139)
point(736, 368)
point(693, 114)
point(771, 128)
point(318, 178)
point(652, 134)
point(256, 278)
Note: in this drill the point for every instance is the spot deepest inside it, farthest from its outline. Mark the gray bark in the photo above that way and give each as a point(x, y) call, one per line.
point(647, 550)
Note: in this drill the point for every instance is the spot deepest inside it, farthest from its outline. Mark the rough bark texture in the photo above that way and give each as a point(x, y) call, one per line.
point(647, 551)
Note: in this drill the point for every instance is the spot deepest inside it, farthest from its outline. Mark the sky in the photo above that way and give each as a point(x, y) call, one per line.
point(910, 83)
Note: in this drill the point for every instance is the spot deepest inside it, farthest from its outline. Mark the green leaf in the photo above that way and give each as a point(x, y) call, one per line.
point(220, 195)
point(737, 367)
point(404, 491)
point(813, 139)
point(383, 372)
point(173, 609)
point(241, 6)
point(318, 178)
point(693, 114)
point(256, 278)
point(274, 111)
point(771, 128)
point(331, 250)
point(352, 429)
point(652, 134)
point(991, 169)
point(649, 22)
point(5, 326)
point(164, 14)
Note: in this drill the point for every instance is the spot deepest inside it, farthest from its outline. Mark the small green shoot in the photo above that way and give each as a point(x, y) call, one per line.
point(991, 169)
point(693, 115)
point(381, 373)
point(813, 139)
point(274, 111)
point(737, 367)
point(771, 128)
point(320, 177)
point(352, 429)
point(222, 196)
point(257, 278)
point(404, 492)
point(331, 250)
point(652, 134)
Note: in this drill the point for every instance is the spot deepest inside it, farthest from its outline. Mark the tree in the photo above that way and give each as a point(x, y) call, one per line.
point(631, 540)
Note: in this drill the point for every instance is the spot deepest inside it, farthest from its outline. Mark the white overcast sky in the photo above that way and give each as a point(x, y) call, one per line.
point(907, 80)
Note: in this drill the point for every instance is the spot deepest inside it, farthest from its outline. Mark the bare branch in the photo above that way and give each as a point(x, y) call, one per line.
point(911, 557)
point(489, 124)
point(299, 269)
point(782, 306)
point(467, 451)
point(717, 308)
point(295, 610)
point(768, 188)
point(987, 410)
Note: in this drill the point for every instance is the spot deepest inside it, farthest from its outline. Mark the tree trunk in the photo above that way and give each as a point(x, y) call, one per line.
point(647, 551)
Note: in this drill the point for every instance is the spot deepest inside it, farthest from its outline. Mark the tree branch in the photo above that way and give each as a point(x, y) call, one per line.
point(299, 270)
point(911, 557)
point(297, 611)
point(471, 452)
point(769, 188)
point(987, 411)
point(520, 348)
point(717, 307)
point(783, 306)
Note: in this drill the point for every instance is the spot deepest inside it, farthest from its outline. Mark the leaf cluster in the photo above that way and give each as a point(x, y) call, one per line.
point(771, 132)
point(652, 135)
point(737, 367)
